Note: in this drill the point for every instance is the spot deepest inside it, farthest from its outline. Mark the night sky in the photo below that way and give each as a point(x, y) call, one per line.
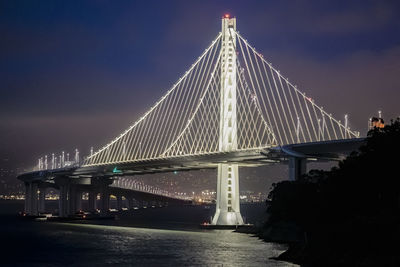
point(74, 74)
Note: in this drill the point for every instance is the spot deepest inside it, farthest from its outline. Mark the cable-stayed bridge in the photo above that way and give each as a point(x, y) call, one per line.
point(231, 108)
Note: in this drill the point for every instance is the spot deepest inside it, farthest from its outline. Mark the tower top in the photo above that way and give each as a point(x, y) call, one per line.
point(228, 22)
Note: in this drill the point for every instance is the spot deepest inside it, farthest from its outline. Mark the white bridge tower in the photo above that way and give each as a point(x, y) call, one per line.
point(228, 202)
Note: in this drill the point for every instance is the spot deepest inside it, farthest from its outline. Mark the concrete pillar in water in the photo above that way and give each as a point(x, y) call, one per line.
point(42, 200)
point(101, 185)
point(78, 201)
point(31, 198)
point(130, 203)
point(27, 208)
point(297, 167)
point(63, 201)
point(92, 200)
point(72, 199)
point(63, 183)
point(34, 199)
point(104, 199)
point(119, 202)
point(228, 202)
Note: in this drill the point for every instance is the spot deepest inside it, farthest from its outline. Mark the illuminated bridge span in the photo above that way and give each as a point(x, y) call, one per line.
point(231, 108)
point(131, 184)
point(231, 98)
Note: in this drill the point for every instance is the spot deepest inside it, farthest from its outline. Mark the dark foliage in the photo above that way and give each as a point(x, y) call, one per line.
point(350, 215)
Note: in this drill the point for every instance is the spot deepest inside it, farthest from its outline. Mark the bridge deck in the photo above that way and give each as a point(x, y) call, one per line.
point(325, 150)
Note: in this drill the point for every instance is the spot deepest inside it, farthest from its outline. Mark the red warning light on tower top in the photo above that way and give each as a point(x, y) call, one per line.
point(227, 16)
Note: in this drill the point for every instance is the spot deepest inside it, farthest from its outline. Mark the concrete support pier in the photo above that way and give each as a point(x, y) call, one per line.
point(297, 167)
point(104, 199)
point(31, 198)
point(228, 203)
point(71, 199)
point(27, 208)
point(131, 203)
point(63, 201)
point(63, 184)
point(100, 185)
point(42, 200)
point(119, 202)
point(78, 200)
point(92, 200)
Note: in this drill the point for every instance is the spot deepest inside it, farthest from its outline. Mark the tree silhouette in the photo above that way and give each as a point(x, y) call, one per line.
point(350, 215)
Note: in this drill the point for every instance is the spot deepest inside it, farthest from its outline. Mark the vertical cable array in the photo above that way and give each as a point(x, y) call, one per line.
point(292, 116)
point(153, 133)
point(201, 135)
point(270, 111)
